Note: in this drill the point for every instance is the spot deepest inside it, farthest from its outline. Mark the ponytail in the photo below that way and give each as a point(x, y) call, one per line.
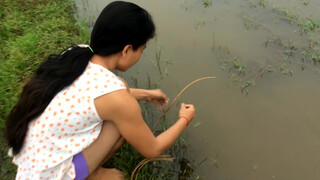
point(53, 75)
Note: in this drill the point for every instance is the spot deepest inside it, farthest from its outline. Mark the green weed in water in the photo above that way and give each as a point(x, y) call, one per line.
point(252, 4)
point(200, 22)
point(238, 66)
point(263, 3)
point(286, 71)
point(306, 2)
point(246, 85)
point(287, 14)
point(309, 25)
point(207, 3)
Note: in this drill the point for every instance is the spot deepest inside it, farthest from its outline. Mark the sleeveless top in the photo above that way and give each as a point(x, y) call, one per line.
point(69, 124)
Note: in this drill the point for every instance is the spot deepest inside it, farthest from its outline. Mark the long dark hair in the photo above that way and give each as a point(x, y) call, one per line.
point(119, 24)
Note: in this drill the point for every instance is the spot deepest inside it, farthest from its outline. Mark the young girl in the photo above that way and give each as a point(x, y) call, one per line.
point(74, 113)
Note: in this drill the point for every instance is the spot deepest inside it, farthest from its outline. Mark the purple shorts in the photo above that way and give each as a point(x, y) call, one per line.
point(81, 166)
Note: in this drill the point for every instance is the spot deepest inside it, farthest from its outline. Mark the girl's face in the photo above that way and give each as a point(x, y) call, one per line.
point(137, 54)
point(131, 57)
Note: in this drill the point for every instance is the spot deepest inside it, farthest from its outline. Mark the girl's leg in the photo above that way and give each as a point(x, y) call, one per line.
point(116, 147)
point(102, 146)
point(102, 173)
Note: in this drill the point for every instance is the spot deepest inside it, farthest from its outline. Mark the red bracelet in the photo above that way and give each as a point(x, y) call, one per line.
point(184, 117)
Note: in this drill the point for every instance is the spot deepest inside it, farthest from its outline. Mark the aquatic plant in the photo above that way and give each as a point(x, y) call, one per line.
point(246, 85)
point(308, 25)
point(236, 63)
point(306, 2)
point(252, 4)
point(200, 22)
point(288, 15)
point(207, 3)
point(286, 71)
point(263, 3)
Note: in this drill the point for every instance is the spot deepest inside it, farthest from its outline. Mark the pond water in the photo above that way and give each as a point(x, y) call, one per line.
point(260, 118)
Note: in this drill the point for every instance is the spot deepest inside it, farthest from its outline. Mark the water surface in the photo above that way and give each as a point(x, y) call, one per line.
point(271, 132)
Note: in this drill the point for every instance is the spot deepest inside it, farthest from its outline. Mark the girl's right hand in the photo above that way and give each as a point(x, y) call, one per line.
point(187, 110)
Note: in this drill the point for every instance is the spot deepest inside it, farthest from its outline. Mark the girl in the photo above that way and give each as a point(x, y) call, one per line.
point(73, 113)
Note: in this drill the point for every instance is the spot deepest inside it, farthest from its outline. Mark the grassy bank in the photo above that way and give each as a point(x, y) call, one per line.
point(29, 31)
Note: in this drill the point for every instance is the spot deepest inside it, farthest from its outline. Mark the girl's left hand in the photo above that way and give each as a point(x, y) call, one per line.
point(157, 97)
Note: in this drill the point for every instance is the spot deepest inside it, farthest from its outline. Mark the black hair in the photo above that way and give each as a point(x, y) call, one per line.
point(119, 24)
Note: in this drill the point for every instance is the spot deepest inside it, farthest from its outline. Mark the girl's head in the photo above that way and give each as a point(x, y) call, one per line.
point(120, 24)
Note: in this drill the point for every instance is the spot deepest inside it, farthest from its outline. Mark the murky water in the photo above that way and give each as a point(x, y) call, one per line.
point(273, 132)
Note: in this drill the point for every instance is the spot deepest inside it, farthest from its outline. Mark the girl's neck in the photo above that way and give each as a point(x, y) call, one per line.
point(108, 62)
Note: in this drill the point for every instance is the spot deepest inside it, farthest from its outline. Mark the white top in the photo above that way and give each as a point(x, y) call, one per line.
point(68, 125)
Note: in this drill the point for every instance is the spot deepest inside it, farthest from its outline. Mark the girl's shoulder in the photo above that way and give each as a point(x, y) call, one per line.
point(97, 81)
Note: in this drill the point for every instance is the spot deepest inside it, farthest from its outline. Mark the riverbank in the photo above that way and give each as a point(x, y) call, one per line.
point(29, 32)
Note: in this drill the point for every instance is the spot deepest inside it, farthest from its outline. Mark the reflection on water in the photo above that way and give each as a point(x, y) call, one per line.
point(268, 49)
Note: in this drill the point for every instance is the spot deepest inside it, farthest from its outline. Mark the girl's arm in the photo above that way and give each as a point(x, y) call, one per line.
point(155, 96)
point(140, 94)
point(121, 108)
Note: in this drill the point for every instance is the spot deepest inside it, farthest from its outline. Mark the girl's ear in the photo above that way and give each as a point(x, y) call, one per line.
point(126, 50)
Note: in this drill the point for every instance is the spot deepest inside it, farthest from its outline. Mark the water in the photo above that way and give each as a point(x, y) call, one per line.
point(270, 133)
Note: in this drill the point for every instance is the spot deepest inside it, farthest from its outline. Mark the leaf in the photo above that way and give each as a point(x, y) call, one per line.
point(197, 124)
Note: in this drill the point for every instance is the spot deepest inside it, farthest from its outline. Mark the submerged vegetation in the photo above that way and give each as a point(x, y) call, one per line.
point(284, 53)
point(207, 3)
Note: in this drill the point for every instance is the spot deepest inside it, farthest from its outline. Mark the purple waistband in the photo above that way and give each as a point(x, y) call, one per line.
point(81, 166)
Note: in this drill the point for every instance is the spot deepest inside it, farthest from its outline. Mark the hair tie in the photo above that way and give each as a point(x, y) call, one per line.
point(86, 46)
point(91, 49)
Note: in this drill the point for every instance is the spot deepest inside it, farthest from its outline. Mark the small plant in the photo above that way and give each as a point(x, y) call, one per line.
point(306, 2)
point(309, 25)
point(158, 58)
point(200, 22)
point(263, 3)
point(250, 23)
point(238, 66)
point(207, 3)
point(246, 85)
point(288, 15)
point(286, 71)
point(253, 5)
point(315, 58)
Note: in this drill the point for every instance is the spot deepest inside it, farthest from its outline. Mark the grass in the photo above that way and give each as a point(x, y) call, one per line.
point(29, 32)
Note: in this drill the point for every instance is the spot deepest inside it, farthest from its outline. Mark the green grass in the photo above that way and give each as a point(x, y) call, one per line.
point(29, 32)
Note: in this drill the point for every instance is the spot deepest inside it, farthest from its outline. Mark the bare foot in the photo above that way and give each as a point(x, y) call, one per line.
point(106, 173)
